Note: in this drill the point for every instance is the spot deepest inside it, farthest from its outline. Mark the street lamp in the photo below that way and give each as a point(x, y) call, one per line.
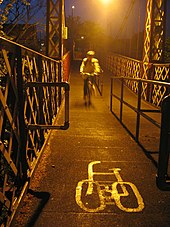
point(105, 1)
point(73, 7)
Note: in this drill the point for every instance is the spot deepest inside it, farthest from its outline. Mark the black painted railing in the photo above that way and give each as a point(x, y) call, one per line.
point(32, 93)
point(163, 179)
point(122, 98)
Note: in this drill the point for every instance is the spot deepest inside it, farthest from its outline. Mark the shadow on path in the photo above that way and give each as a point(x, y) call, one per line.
point(43, 197)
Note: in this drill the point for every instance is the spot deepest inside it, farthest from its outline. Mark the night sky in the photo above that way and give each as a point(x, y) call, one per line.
point(111, 14)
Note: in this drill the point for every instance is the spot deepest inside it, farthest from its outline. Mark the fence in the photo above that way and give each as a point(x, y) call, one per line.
point(135, 104)
point(128, 67)
point(31, 94)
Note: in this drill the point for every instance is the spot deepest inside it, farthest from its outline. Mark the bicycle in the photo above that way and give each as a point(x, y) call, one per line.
point(90, 86)
point(94, 196)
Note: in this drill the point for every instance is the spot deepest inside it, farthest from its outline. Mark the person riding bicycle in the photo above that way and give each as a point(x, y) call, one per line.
point(89, 65)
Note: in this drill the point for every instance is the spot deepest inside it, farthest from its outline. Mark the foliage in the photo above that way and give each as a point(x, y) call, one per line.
point(88, 33)
point(18, 18)
point(8, 9)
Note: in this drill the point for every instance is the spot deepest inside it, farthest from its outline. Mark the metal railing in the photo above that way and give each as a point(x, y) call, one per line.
point(118, 94)
point(128, 67)
point(137, 109)
point(31, 97)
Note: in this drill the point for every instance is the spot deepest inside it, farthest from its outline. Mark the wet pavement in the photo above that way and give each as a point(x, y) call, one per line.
point(94, 174)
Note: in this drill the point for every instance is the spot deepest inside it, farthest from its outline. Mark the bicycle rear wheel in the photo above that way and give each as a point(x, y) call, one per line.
point(92, 202)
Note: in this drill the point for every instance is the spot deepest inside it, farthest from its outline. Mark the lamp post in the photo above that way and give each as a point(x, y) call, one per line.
point(72, 19)
point(72, 30)
point(73, 7)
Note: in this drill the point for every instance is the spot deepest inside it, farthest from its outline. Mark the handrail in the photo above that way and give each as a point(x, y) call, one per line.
point(66, 87)
point(26, 49)
point(143, 80)
point(139, 111)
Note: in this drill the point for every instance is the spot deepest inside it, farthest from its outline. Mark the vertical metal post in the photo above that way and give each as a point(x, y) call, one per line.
point(138, 110)
point(54, 28)
point(111, 94)
point(47, 25)
point(154, 40)
point(60, 48)
point(121, 99)
point(56, 72)
point(154, 34)
point(22, 126)
point(40, 96)
point(50, 93)
point(164, 149)
point(67, 88)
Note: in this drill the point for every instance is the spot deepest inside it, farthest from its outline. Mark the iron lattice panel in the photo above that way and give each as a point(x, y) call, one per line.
point(10, 136)
point(40, 104)
point(161, 73)
point(55, 28)
point(158, 31)
point(132, 69)
point(127, 67)
point(147, 39)
point(154, 40)
point(22, 103)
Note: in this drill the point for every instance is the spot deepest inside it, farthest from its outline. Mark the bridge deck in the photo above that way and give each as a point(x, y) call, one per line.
point(95, 135)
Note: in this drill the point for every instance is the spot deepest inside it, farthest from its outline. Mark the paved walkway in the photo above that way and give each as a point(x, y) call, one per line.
point(95, 136)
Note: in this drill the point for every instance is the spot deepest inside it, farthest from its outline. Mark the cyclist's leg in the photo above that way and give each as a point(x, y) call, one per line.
point(93, 87)
point(88, 91)
point(85, 89)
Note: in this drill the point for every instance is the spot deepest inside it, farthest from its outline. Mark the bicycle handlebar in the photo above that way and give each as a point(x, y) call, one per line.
point(89, 74)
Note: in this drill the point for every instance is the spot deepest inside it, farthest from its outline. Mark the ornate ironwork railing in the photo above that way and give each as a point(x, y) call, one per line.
point(31, 93)
point(128, 67)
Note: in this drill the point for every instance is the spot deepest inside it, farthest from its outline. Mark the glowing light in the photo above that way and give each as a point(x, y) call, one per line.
point(106, 1)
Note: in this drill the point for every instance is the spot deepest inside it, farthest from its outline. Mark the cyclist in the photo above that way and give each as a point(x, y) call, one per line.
point(91, 66)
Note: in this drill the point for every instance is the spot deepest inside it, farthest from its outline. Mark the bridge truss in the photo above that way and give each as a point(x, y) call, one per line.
point(154, 40)
point(155, 27)
point(55, 28)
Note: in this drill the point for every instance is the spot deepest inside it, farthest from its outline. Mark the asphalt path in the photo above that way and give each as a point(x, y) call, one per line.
point(94, 174)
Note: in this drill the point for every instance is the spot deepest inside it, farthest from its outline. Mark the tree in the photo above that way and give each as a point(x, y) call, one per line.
point(86, 33)
point(18, 17)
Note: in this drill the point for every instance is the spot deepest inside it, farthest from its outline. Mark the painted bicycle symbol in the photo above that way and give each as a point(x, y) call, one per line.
point(94, 196)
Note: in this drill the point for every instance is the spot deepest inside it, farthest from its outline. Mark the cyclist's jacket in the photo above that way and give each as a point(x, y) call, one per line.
point(91, 66)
